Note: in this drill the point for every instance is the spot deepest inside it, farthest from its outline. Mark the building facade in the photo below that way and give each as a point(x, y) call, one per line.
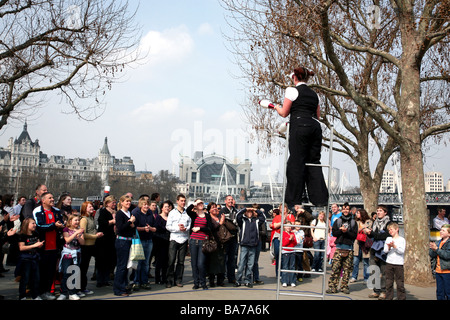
point(434, 182)
point(388, 182)
point(23, 160)
point(213, 176)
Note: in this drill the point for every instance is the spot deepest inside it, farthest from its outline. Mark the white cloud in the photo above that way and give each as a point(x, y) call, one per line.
point(158, 109)
point(197, 112)
point(169, 46)
point(167, 108)
point(205, 29)
point(229, 116)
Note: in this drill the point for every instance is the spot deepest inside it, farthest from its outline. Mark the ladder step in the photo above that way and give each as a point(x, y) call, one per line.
point(302, 295)
point(302, 271)
point(309, 204)
point(304, 249)
point(304, 226)
point(317, 165)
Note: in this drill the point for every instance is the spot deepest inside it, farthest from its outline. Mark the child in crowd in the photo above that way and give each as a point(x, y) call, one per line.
point(28, 264)
point(249, 221)
point(288, 256)
point(71, 255)
point(394, 247)
point(299, 236)
point(441, 251)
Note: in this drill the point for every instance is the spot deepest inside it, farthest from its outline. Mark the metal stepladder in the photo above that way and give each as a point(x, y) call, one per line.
point(326, 228)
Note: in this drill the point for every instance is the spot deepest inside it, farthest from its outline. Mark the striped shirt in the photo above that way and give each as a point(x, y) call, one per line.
point(199, 222)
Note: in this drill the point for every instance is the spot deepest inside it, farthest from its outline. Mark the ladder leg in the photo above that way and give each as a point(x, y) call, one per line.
point(327, 226)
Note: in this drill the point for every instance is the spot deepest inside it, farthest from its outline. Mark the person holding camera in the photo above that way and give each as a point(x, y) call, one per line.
point(178, 224)
point(345, 229)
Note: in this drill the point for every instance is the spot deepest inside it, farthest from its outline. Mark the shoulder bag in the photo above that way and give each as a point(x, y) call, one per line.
point(136, 250)
point(209, 245)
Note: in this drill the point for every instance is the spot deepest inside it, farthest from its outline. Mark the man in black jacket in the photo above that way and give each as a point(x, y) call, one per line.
point(249, 221)
point(345, 229)
point(231, 246)
point(32, 203)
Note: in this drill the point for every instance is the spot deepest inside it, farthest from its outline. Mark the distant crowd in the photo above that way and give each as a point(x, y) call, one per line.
point(134, 243)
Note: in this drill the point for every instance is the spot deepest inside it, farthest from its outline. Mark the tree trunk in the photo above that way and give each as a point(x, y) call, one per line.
point(417, 261)
point(370, 193)
point(369, 190)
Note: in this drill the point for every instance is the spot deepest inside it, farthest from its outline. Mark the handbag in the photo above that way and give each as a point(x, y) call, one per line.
point(136, 250)
point(223, 234)
point(367, 245)
point(361, 236)
point(230, 226)
point(5, 248)
point(209, 245)
point(308, 242)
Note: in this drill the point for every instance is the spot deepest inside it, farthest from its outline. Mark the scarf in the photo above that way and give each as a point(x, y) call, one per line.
point(346, 220)
point(380, 224)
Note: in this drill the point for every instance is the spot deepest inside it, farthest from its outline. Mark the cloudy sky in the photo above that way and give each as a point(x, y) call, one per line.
point(185, 98)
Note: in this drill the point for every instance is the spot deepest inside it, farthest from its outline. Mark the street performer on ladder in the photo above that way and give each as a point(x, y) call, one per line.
point(305, 141)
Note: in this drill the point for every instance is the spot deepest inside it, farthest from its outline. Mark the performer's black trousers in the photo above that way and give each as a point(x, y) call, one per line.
point(305, 143)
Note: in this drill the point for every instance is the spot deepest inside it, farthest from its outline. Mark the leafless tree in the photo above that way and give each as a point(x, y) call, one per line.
point(382, 69)
point(75, 47)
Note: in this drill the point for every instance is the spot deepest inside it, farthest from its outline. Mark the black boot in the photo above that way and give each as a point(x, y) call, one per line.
point(211, 281)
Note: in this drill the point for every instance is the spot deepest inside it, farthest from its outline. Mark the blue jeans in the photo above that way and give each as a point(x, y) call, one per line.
point(356, 260)
point(318, 256)
point(256, 264)
point(141, 274)
point(198, 262)
point(288, 263)
point(442, 286)
point(276, 252)
point(298, 259)
point(65, 264)
point(246, 262)
point(121, 276)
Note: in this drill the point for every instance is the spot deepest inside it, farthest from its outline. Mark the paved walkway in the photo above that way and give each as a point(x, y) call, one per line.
point(267, 291)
